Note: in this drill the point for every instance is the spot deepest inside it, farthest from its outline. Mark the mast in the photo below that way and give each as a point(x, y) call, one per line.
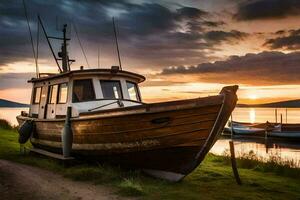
point(64, 52)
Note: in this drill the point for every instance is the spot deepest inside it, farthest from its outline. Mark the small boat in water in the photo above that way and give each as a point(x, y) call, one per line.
point(286, 131)
point(246, 129)
point(98, 114)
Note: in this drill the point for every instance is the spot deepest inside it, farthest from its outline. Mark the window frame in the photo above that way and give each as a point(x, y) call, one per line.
point(34, 95)
point(93, 89)
point(136, 90)
point(58, 93)
point(119, 83)
point(50, 94)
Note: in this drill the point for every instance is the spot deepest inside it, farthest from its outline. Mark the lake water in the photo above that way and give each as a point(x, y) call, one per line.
point(284, 150)
point(10, 114)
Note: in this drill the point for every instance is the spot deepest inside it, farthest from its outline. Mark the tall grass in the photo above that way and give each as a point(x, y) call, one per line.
point(6, 125)
point(274, 163)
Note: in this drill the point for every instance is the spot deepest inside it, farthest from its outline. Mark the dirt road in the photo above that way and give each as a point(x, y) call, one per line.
point(19, 181)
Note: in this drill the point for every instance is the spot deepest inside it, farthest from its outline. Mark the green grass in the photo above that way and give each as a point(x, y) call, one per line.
point(211, 180)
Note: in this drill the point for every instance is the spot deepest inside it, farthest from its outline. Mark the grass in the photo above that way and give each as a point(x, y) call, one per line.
point(212, 180)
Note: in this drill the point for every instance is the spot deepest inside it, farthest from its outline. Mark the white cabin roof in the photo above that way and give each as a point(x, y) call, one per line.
point(89, 72)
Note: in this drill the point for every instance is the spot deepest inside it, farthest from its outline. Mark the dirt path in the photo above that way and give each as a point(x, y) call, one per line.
point(19, 181)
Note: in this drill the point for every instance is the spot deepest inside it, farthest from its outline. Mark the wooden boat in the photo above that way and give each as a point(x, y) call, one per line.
point(286, 131)
point(285, 134)
point(109, 121)
point(247, 129)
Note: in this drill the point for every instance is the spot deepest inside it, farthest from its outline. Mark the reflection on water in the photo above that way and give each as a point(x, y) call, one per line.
point(286, 151)
point(289, 115)
point(290, 151)
point(10, 114)
point(252, 115)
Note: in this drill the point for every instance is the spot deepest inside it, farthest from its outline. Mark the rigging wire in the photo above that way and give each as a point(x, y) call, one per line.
point(37, 46)
point(80, 44)
point(116, 39)
point(31, 39)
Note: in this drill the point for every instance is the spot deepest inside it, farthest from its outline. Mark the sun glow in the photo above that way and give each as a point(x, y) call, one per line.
point(253, 96)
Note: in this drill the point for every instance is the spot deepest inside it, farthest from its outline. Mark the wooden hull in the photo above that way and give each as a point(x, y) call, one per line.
point(285, 134)
point(167, 140)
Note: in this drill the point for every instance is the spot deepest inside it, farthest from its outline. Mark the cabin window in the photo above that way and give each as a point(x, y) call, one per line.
point(37, 95)
point(53, 94)
point(111, 89)
point(83, 90)
point(63, 93)
point(133, 91)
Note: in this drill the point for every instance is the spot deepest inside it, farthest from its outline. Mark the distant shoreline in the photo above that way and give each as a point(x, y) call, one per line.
point(11, 104)
point(280, 104)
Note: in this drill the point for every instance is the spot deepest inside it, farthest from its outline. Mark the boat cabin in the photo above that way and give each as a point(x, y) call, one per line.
point(85, 91)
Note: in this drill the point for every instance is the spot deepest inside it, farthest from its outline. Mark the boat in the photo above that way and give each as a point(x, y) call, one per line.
point(99, 115)
point(286, 131)
point(247, 129)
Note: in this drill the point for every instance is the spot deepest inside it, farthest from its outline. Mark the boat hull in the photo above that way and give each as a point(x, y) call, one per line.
point(167, 140)
point(285, 134)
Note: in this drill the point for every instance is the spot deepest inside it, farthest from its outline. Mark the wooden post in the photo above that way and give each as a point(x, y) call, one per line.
point(231, 127)
point(276, 115)
point(281, 119)
point(286, 115)
point(233, 164)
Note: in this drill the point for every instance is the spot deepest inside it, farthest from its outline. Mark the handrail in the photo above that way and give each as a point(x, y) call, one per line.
point(119, 102)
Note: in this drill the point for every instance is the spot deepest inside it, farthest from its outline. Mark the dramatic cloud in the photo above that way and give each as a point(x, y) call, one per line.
point(219, 36)
point(150, 33)
point(289, 42)
point(15, 80)
point(254, 69)
point(267, 9)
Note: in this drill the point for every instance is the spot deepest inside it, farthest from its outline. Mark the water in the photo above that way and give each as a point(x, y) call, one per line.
point(10, 114)
point(284, 150)
point(289, 115)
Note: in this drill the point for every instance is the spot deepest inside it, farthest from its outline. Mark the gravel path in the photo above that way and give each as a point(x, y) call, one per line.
point(19, 181)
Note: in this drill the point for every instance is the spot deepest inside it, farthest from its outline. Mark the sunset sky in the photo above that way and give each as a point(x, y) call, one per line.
point(186, 49)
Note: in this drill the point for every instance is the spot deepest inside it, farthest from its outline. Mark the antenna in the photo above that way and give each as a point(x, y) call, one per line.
point(116, 38)
point(98, 56)
point(31, 40)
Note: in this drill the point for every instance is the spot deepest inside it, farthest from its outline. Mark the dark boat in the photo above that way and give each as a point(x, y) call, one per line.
point(286, 131)
point(107, 121)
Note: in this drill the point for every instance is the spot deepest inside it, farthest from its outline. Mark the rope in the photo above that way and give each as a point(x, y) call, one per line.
point(76, 32)
point(31, 39)
point(37, 48)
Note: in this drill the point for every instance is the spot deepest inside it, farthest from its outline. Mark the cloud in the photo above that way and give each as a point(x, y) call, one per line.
point(266, 9)
point(219, 36)
point(263, 68)
point(149, 33)
point(191, 13)
point(15, 80)
point(289, 42)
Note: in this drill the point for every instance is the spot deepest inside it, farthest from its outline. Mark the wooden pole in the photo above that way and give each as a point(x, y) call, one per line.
point(276, 115)
point(233, 164)
point(231, 127)
point(286, 115)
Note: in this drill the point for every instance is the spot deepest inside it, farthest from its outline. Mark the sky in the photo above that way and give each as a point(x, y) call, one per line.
point(186, 49)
